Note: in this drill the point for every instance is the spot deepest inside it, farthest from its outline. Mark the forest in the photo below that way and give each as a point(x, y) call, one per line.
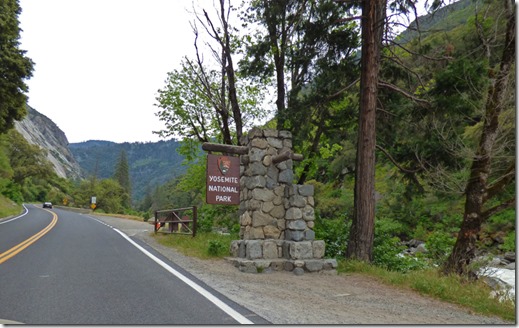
point(405, 136)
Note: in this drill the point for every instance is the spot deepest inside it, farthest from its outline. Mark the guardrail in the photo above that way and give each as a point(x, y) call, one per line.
point(176, 221)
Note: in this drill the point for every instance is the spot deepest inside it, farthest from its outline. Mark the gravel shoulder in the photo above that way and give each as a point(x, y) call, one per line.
point(284, 298)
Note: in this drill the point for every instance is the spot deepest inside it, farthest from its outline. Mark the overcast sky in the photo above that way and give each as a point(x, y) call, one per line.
point(99, 63)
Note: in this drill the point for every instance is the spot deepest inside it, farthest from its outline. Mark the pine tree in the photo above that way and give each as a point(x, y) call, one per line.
point(15, 67)
point(122, 174)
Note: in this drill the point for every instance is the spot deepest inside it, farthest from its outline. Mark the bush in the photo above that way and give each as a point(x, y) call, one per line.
point(216, 248)
point(439, 245)
point(335, 234)
point(509, 244)
point(387, 248)
point(204, 223)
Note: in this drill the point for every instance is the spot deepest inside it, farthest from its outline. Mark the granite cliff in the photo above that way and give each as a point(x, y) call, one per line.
point(39, 130)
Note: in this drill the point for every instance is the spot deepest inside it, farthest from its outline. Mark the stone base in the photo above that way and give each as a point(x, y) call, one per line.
point(265, 255)
point(298, 267)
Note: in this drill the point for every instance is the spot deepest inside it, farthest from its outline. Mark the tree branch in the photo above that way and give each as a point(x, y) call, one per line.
point(499, 208)
point(395, 162)
point(393, 87)
point(502, 182)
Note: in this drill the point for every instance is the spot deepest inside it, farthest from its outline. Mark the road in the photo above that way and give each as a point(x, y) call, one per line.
point(61, 267)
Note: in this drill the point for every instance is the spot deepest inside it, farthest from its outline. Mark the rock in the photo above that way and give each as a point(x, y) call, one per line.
point(296, 225)
point(494, 262)
point(421, 249)
point(318, 249)
point(248, 267)
point(299, 271)
point(510, 266)
point(510, 256)
point(414, 243)
point(306, 190)
point(253, 249)
point(314, 265)
point(330, 264)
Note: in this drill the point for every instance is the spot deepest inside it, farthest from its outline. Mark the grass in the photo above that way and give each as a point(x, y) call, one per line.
point(205, 245)
point(452, 289)
point(8, 207)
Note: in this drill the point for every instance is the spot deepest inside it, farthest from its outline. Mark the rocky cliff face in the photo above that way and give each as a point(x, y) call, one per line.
point(39, 130)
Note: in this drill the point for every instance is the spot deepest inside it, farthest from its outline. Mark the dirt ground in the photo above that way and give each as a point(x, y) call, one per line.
point(316, 299)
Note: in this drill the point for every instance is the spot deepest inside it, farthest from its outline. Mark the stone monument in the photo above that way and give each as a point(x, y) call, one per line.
point(276, 216)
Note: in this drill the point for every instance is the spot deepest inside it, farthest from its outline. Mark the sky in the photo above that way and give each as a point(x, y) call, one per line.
point(99, 63)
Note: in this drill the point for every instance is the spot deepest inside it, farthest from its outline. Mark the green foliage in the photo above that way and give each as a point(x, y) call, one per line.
point(439, 246)
point(205, 245)
point(387, 248)
point(509, 244)
point(15, 67)
point(502, 221)
point(122, 175)
point(331, 201)
point(190, 110)
point(111, 196)
point(12, 191)
point(216, 248)
point(335, 233)
point(8, 207)
point(205, 223)
point(453, 289)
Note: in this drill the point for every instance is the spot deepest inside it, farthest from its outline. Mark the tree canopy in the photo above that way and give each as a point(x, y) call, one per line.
point(15, 67)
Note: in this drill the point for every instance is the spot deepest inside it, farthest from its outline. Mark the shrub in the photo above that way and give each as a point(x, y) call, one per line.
point(215, 248)
point(387, 254)
point(439, 245)
point(387, 248)
point(509, 244)
point(204, 223)
point(335, 234)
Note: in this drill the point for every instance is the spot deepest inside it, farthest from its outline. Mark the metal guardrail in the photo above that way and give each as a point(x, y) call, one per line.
point(176, 221)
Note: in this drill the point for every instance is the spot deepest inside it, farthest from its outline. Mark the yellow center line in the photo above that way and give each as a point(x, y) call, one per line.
point(28, 242)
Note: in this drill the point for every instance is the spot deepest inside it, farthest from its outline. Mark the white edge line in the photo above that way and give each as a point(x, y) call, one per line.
point(224, 307)
point(26, 211)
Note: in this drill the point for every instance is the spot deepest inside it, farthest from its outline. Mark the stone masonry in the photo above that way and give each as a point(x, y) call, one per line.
point(276, 216)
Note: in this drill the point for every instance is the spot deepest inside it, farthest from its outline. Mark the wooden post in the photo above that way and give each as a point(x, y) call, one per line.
point(194, 220)
point(228, 149)
point(285, 156)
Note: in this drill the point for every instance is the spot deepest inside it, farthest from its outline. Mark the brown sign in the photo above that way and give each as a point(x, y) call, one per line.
point(223, 180)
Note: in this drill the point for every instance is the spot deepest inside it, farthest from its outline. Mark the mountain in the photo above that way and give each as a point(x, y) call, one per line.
point(444, 19)
point(151, 163)
point(39, 130)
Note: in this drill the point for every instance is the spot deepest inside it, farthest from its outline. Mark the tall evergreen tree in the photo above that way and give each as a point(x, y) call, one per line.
point(483, 187)
point(15, 67)
point(122, 174)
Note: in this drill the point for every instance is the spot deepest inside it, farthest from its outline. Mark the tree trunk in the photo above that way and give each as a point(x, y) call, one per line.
point(360, 243)
point(477, 190)
point(229, 69)
point(278, 45)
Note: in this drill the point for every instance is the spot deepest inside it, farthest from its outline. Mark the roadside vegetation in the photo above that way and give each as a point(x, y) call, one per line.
point(453, 288)
point(8, 207)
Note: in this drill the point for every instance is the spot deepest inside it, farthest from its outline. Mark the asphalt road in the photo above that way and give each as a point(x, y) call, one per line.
point(61, 267)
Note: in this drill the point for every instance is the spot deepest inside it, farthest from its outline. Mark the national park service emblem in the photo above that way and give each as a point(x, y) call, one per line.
point(224, 164)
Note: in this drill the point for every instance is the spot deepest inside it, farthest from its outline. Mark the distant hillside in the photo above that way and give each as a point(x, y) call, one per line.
point(444, 19)
point(151, 164)
point(39, 130)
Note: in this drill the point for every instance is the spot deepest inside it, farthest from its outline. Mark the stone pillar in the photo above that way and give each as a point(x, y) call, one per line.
point(276, 216)
point(263, 185)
